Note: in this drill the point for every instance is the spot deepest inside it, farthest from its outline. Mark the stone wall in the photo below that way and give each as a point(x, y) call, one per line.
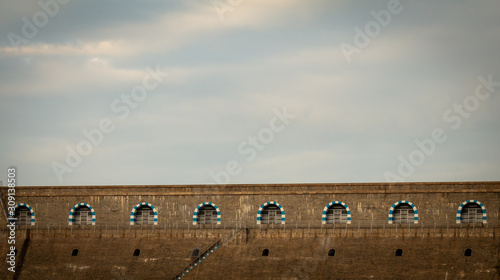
point(363, 253)
point(303, 203)
point(432, 249)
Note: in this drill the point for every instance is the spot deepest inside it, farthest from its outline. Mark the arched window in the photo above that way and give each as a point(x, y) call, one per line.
point(22, 215)
point(468, 253)
point(144, 215)
point(403, 214)
point(336, 214)
point(137, 252)
point(207, 215)
point(331, 252)
point(471, 213)
point(265, 252)
point(74, 253)
point(271, 212)
point(399, 252)
point(82, 216)
point(271, 215)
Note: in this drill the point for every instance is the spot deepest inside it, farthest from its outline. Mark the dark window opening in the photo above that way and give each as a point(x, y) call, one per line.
point(403, 214)
point(22, 215)
point(144, 215)
point(74, 253)
point(15, 252)
point(468, 253)
point(471, 213)
point(265, 252)
point(196, 253)
point(399, 253)
point(82, 216)
point(336, 214)
point(137, 252)
point(271, 214)
point(331, 253)
point(207, 215)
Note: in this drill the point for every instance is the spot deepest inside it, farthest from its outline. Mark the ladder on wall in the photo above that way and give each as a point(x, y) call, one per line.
point(227, 238)
point(198, 260)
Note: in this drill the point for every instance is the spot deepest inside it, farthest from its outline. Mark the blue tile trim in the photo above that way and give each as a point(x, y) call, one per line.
point(415, 211)
point(132, 213)
point(325, 210)
point(259, 212)
point(32, 212)
point(195, 213)
point(70, 218)
point(459, 211)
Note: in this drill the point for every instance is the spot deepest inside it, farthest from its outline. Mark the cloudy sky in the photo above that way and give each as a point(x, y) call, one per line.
point(239, 91)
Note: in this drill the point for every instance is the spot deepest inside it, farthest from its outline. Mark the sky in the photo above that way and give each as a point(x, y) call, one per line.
point(154, 92)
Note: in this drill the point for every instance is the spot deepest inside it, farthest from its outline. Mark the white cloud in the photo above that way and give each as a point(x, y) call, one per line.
point(225, 78)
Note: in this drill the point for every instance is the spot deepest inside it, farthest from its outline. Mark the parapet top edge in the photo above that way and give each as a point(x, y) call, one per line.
point(293, 185)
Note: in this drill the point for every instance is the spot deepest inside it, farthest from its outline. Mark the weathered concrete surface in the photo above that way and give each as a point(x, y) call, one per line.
point(358, 255)
point(302, 202)
point(363, 250)
point(293, 254)
point(108, 254)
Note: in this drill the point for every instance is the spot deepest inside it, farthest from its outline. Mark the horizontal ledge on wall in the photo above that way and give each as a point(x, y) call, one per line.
point(197, 193)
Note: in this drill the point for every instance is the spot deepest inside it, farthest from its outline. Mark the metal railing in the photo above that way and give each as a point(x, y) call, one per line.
point(360, 224)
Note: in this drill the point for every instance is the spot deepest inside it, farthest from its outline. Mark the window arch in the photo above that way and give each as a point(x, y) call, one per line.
point(399, 252)
point(74, 253)
point(81, 214)
point(265, 252)
point(144, 214)
point(206, 213)
point(471, 211)
point(403, 211)
point(336, 212)
point(24, 214)
point(331, 252)
point(271, 212)
point(137, 252)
